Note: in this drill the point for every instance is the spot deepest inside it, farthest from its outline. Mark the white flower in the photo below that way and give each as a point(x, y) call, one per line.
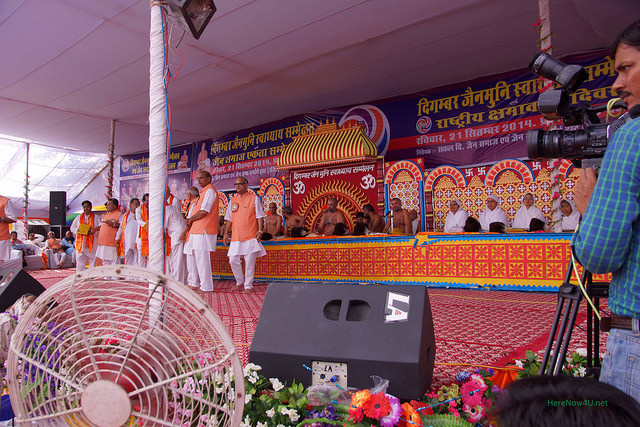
point(252, 379)
point(582, 352)
point(271, 413)
point(277, 385)
point(284, 411)
point(580, 372)
point(259, 424)
point(251, 367)
point(293, 415)
point(519, 363)
point(247, 398)
point(280, 425)
point(246, 422)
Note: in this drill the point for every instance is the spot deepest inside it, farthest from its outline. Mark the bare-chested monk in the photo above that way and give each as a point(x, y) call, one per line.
point(291, 220)
point(330, 218)
point(273, 221)
point(399, 221)
point(376, 222)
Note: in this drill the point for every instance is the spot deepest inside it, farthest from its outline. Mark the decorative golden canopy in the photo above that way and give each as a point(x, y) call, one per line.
point(328, 145)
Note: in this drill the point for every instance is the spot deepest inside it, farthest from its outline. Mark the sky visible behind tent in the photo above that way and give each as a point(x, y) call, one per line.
point(50, 169)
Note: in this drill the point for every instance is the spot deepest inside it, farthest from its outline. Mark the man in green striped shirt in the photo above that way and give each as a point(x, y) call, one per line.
point(608, 238)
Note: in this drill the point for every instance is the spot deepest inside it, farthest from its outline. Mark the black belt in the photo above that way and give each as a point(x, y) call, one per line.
point(618, 322)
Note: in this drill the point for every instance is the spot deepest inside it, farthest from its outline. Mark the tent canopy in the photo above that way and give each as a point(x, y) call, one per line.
point(70, 66)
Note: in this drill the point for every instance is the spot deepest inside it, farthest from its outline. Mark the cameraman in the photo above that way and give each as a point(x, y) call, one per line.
point(608, 239)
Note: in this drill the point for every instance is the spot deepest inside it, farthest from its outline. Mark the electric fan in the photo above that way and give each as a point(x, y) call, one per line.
point(122, 345)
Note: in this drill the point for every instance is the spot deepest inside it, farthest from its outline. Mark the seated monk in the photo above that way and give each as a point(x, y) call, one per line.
point(291, 221)
point(273, 222)
point(330, 218)
point(399, 221)
point(376, 222)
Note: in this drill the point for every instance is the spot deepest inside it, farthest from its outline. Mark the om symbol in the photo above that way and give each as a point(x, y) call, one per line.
point(298, 187)
point(368, 181)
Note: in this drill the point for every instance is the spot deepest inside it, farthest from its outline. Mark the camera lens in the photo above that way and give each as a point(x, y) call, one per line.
point(584, 143)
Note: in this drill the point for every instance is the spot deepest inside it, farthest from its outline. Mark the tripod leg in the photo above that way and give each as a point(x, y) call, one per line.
point(567, 336)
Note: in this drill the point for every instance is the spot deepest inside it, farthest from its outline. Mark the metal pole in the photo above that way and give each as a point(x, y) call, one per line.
point(25, 204)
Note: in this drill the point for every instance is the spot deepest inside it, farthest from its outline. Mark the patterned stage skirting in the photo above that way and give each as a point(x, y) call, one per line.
point(523, 261)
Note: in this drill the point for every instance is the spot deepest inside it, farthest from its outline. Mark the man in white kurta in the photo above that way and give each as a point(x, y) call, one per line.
point(493, 213)
point(192, 269)
point(175, 259)
point(456, 217)
point(7, 216)
point(86, 243)
point(244, 227)
point(203, 230)
point(127, 234)
point(527, 212)
point(142, 239)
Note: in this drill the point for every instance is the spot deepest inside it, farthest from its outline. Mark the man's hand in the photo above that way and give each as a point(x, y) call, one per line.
point(584, 189)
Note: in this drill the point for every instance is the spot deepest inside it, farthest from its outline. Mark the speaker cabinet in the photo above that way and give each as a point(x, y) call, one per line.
point(15, 282)
point(57, 207)
point(315, 333)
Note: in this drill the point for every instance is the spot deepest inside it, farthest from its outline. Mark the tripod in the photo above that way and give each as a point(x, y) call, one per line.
point(571, 296)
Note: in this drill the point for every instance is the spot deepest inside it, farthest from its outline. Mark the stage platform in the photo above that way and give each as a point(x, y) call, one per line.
point(512, 261)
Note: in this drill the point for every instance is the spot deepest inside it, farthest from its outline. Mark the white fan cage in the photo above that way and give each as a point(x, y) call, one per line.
point(122, 345)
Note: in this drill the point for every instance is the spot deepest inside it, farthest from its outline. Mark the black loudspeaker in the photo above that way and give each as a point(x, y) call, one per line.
point(15, 282)
point(57, 207)
point(315, 333)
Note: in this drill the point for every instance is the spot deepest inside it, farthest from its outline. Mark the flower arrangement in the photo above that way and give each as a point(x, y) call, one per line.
point(574, 365)
point(269, 403)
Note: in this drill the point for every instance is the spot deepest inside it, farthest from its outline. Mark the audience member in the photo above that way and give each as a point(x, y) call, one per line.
point(471, 225)
point(536, 225)
point(527, 212)
point(7, 216)
point(493, 213)
point(142, 241)
point(497, 227)
point(555, 401)
point(360, 229)
point(456, 217)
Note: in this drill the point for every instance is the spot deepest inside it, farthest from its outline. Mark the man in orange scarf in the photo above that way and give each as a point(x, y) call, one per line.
point(127, 233)
point(142, 218)
point(85, 226)
point(107, 251)
point(192, 267)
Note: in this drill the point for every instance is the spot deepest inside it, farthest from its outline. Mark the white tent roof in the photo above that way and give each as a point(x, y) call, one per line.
point(70, 66)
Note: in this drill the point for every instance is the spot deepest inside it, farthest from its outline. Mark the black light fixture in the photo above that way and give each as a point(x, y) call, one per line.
point(193, 15)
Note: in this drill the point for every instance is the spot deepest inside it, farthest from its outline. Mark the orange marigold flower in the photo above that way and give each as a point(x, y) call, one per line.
point(360, 398)
point(410, 417)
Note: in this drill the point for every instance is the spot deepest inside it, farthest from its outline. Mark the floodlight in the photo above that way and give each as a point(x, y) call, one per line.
point(193, 15)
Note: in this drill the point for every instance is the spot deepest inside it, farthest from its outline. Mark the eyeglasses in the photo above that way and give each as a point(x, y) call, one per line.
point(240, 183)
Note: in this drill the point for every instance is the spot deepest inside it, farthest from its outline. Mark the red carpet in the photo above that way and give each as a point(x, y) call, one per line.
point(471, 327)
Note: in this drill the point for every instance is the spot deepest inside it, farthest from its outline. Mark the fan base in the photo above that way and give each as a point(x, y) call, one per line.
point(106, 404)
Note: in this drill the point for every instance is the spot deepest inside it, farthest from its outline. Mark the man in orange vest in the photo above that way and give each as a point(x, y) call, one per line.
point(85, 226)
point(107, 251)
point(8, 216)
point(142, 241)
point(244, 228)
point(127, 233)
point(202, 227)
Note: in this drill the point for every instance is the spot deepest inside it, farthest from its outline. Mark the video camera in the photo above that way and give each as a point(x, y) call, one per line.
point(590, 142)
